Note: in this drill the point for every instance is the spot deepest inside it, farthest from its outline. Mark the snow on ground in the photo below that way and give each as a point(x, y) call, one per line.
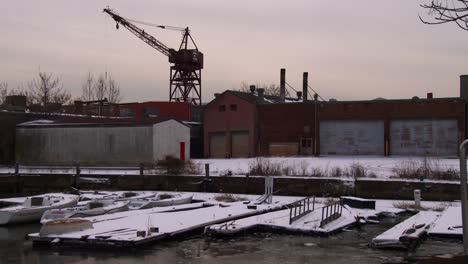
point(375, 166)
point(382, 167)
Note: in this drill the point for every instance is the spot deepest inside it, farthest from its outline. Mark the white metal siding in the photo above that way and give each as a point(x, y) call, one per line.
point(424, 137)
point(167, 136)
point(354, 137)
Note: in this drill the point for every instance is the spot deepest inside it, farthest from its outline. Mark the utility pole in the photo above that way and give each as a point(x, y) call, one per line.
point(464, 195)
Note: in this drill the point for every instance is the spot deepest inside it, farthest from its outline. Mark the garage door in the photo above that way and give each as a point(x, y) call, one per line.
point(284, 149)
point(424, 137)
point(217, 145)
point(354, 137)
point(240, 144)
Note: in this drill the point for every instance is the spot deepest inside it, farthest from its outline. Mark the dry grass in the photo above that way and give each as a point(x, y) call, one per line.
point(426, 168)
point(264, 167)
point(411, 206)
point(229, 198)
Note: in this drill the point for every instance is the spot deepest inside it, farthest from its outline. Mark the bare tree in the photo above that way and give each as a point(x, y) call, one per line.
point(270, 89)
point(46, 89)
point(87, 90)
point(447, 11)
point(113, 91)
point(100, 88)
point(3, 92)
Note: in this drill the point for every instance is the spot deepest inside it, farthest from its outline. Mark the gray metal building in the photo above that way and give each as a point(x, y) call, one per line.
point(119, 144)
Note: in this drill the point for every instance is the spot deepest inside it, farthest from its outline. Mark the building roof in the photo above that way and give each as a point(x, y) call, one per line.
point(254, 98)
point(119, 123)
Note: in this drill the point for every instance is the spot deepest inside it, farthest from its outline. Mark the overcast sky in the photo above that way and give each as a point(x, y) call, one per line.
point(353, 50)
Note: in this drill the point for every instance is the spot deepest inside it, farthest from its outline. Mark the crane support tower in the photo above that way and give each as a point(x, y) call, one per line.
point(186, 63)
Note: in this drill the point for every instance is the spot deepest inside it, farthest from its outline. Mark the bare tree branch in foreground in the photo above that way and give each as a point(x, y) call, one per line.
point(447, 11)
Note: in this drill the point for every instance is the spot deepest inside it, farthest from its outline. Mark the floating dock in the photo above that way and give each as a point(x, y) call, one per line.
point(142, 227)
point(300, 217)
point(407, 233)
point(449, 224)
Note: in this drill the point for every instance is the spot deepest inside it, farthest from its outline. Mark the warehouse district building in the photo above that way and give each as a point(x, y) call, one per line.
point(246, 124)
point(100, 144)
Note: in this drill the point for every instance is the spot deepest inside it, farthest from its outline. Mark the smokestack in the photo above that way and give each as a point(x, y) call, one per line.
point(252, 89)
point(305, 85)
point(283, 85)
point(464, 87)
point(261, 93)
point(299, 94)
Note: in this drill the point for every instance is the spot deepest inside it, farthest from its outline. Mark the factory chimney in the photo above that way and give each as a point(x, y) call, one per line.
point(464, 87)
point(252, 89)
point(261, 93)
point(305, 84)
point(283, 85)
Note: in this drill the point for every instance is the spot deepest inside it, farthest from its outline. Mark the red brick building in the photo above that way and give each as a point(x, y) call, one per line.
point(240, 124)
point(178, 110)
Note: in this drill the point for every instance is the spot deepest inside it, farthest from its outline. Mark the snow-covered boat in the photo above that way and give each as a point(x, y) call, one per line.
point(160, 200)
point(116, 196)
point(91, 208)
point(33, 207)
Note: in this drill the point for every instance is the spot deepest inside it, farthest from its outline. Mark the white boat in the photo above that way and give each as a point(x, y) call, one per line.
point(33, 207)
point(160, 200)
point(117, 196)
point(91, 208)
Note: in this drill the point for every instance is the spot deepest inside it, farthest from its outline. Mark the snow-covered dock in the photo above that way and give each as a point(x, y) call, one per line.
point(449, 224)
point(130, 229)
point(322, 220)
point(406, 233)
point(279, 220)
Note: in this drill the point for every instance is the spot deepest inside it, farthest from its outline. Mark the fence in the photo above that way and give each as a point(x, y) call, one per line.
point(331, 212)
point(300, 208)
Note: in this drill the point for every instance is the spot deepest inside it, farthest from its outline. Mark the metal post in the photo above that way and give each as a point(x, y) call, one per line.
point(464, 195)
point(141, 169)
point(207, 170)
point(77, 175)
point(17, 177)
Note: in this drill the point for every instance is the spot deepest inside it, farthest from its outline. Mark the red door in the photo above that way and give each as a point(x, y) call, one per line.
point(182, 150)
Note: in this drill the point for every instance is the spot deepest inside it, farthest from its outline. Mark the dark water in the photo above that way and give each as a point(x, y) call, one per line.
point(346, 247)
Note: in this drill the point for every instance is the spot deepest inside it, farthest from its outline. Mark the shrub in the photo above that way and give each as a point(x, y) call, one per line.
point(172, 165)
point(228, 198)
point(263, 167)
point(425, 168)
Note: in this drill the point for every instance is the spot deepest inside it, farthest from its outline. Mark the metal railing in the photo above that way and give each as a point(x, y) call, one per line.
point(331, 212)
point(300, 208)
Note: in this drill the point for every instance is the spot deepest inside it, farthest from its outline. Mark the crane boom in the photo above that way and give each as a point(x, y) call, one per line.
point(186, 63)
point(140, 33)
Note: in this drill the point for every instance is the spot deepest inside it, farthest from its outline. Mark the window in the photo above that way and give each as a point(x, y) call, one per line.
point(222, 108)
point(234, 108)
point(127, 112)
point(150, 111)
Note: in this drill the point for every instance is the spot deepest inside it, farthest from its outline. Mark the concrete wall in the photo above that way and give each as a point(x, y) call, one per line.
point(167, 137)
point(90, 146)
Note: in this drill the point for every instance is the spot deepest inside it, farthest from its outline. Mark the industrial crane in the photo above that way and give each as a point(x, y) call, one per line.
point(186, 63)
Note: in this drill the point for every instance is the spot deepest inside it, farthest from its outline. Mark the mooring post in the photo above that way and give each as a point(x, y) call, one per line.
point(464, 195)
point(17, 177)
point(77, 175)
point(142, 175)
point(207, 176)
